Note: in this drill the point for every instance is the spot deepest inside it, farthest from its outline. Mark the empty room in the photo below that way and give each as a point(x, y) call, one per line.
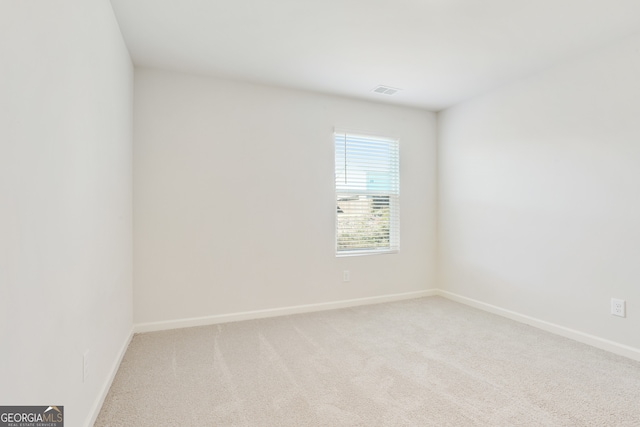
point(319, 213)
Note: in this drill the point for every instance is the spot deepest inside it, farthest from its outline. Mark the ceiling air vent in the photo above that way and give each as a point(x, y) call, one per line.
point(386, 90)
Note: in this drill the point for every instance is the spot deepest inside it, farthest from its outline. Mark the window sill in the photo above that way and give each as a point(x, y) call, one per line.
point(364, 253)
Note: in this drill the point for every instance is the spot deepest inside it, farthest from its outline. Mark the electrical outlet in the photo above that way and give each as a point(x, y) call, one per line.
point(346, 276)
point(85, 366)
point(618, 307)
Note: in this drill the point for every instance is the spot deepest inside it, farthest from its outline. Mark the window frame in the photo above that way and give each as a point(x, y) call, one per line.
point(393, 144)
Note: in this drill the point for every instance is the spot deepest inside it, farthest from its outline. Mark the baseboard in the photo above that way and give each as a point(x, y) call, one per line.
point(95, 410)
point(260, 314)
point(592, 340)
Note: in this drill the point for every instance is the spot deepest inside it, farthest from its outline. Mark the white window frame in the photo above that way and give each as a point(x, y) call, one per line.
point(387, 167)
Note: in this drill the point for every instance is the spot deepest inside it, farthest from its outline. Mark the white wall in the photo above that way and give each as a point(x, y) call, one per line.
point(539, 209)
point(234, 198)
point(65, 202)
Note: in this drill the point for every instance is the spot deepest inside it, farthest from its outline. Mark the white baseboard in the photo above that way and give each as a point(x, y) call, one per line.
point(260, 314)
point(592, 340)
point(95, 410)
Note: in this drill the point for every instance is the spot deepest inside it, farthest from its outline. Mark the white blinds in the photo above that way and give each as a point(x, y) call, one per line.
point(367, 194)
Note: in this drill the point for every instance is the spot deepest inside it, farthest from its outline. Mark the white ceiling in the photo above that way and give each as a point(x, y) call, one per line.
point(439, 52)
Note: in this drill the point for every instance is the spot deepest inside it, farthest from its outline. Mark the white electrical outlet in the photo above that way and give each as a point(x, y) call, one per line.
point(618, 307)
point(85, 366)
point(346, 276)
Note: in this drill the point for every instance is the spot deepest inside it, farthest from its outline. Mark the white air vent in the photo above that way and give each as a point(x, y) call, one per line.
point(386, 90)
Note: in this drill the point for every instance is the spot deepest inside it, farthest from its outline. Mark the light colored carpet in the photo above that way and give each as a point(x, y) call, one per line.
point(421, 362)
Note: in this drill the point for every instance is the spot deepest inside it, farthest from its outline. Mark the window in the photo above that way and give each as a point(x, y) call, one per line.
point(367, 194)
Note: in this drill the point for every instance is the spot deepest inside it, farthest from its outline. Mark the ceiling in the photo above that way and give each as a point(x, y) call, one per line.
point(439, 52)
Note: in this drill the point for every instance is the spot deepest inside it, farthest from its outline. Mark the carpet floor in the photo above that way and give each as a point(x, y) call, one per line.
point(421, 362)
